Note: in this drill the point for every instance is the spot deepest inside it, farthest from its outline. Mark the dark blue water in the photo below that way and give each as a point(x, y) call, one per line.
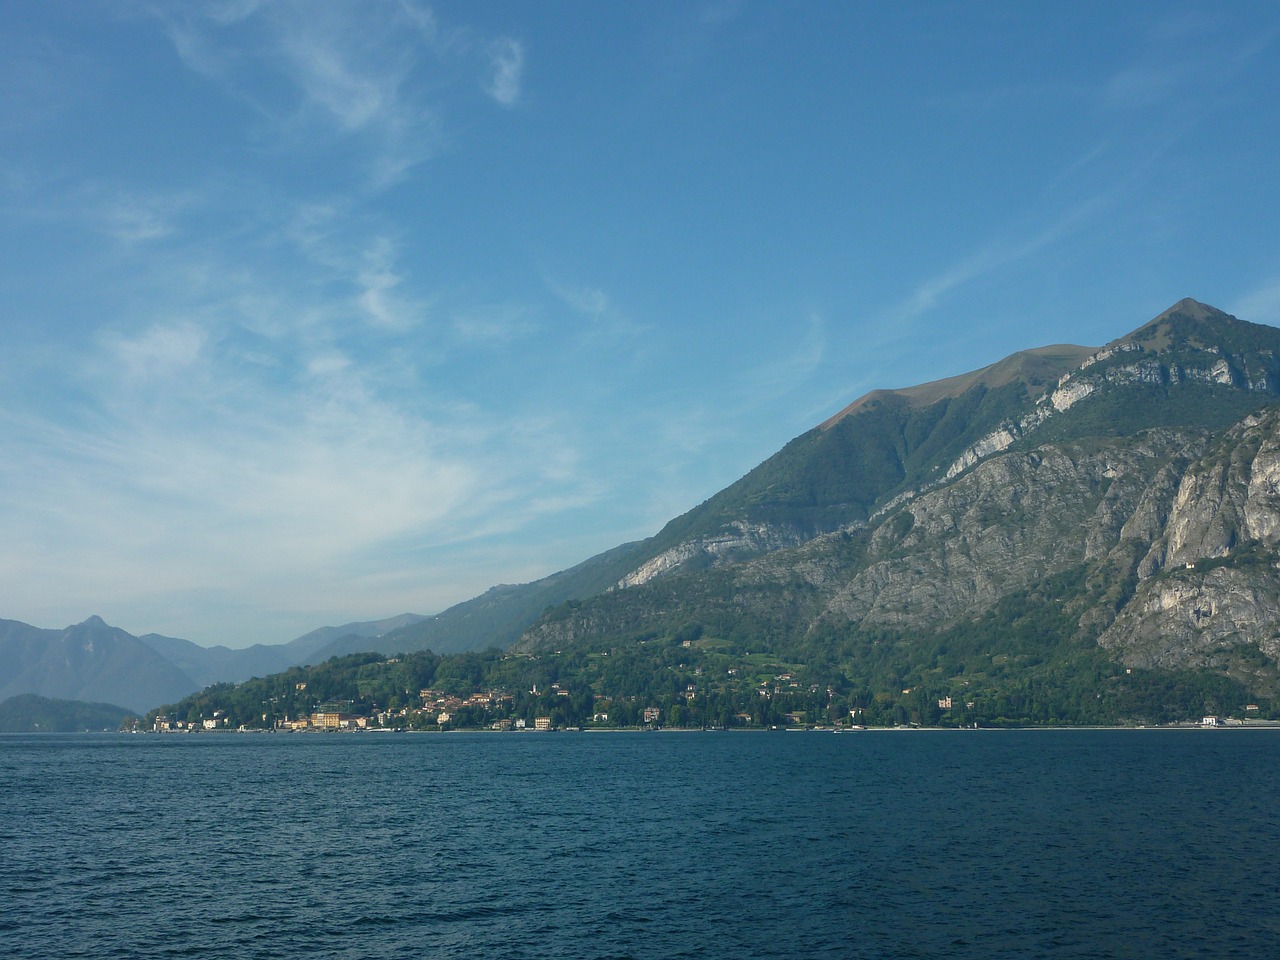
point(956, 844)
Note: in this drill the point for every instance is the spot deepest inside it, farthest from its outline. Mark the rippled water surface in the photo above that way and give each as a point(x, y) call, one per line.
point(924, 844)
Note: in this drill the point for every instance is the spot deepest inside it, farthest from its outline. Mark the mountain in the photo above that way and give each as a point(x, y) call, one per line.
point(1068, 504)
point(1071, 535)
point(1193, 366)
point(314, 647)
point(502, 613)
point(206, 665)
point(806, 488)
point(220, 664)
point(88, 661)
point(29, 713)
point(817, 483)
point(896, 443)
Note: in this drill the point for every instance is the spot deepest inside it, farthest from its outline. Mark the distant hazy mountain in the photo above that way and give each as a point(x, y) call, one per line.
point(89, 661)
point(319, 645)
point(93, 661)
point(206, 665)
point(216, 664)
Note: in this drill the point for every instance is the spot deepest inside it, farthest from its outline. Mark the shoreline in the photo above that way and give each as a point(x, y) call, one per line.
point(1168, 727)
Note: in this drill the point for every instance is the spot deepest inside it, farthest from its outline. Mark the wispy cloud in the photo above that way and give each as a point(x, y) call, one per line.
point(260, 413)
point(1144, 84)
point(159, 352)
point(589, 301)
point(793, 368)
point(506, 61)
point(606, 320)
point(985, 261)
point(494, 324)
point(361, 74)
point(1183, 60)
point(136, 218)
point(353, 98)
point(234, 482)
point(378, 280)
point(693, 37)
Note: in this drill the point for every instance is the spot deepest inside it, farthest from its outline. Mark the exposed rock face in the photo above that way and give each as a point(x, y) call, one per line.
point(1012, 520)
point(1201, 517)
point(1227, 509)
point(1069, 394)
point(1080, 384)
point(742, 541)
point(1228, 498)
point(993, 442)
point(1187, 619)
point(1196, 522)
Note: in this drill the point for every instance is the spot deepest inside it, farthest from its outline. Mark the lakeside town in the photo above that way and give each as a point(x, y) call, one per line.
point(435, 709)
point(690, 684)
point(440, 711)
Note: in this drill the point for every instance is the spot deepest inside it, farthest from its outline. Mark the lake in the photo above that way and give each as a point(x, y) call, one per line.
point(958, 844)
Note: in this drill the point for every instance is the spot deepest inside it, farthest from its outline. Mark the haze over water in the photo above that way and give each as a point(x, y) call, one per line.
point(958, 844)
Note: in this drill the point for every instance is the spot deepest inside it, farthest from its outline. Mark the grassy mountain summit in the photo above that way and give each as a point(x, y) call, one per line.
point(1036, 369)
point(1195, 326)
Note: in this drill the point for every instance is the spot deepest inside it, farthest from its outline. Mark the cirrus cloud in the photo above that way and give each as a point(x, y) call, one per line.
point(506, 60)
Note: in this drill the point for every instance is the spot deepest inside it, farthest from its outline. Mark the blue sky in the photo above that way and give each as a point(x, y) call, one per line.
point(322, 311)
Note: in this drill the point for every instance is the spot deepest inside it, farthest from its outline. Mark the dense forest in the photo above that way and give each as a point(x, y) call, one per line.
point(29, 713)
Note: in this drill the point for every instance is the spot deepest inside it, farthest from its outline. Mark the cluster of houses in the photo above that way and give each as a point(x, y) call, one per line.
point(436, 705)
point(321, 720)
point(165, 724)
point(327, 721)
point(446, 709)
point(446, 705)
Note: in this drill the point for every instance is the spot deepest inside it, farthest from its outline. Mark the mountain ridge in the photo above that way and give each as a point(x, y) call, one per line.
point(1033, 367)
